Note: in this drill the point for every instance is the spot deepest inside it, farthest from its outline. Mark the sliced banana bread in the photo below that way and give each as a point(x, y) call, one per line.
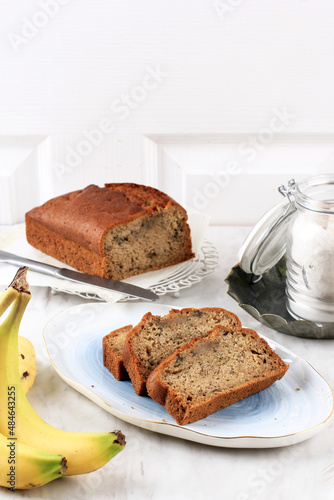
point(157, 337)
point(210, 373)
point(113, 345)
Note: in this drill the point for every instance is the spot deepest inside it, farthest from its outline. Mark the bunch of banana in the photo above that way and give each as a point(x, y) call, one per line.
point(38, 448)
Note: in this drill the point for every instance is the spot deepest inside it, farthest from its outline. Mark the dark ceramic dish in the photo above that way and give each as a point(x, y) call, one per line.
point(265, 301)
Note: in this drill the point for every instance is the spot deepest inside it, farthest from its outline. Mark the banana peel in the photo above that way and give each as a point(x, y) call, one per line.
point(27, 363)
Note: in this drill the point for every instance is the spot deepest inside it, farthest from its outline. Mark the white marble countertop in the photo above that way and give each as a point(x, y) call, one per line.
point(155, 466)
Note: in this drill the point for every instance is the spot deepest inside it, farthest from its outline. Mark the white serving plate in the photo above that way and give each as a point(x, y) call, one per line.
point(293, 409)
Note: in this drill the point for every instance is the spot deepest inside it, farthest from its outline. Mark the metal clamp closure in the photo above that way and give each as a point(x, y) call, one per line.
point(288, 191)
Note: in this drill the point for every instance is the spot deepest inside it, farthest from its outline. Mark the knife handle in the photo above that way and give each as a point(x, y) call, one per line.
point(16, 260)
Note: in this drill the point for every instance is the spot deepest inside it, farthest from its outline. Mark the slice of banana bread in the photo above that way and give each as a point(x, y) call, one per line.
point(210, 373)
point(113, 345)
point(157, 337)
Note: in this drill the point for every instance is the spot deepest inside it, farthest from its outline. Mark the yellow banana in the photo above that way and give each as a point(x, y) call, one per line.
point(27, 363)
point(84, 451)
point(27, 356)
point(23, 467)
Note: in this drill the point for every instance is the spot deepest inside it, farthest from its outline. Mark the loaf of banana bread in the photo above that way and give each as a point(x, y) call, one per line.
point(115, 232)
point(208, 374)
point(157, 337)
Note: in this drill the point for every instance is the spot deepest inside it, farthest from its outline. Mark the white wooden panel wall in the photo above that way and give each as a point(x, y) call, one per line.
point(165, 93)
point(217, 65)
point(232, 183)
point(215, 174)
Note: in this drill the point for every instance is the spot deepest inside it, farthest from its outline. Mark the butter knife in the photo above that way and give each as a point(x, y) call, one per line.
point(68, 274)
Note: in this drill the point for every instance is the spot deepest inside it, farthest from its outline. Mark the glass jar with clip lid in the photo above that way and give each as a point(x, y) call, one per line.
point(303, 228)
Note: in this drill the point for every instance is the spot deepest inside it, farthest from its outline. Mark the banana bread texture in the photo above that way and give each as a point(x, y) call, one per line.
point(208, 374)
point(115, 232)
point(157, 337)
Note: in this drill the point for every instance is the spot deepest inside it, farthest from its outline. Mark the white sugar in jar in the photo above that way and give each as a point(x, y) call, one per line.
point(310, 250)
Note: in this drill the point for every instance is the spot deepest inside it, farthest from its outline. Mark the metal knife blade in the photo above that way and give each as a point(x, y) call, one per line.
point(63, 273)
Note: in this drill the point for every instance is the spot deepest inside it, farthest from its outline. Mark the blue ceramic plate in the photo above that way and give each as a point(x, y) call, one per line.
point(293, 409)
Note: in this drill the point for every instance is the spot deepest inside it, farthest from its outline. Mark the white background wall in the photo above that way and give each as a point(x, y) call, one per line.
point(216, 102)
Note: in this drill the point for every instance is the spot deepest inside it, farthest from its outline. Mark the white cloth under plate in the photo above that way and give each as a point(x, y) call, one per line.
point(13, 240)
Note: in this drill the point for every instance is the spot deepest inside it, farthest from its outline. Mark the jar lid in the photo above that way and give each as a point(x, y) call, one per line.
point(265, 244)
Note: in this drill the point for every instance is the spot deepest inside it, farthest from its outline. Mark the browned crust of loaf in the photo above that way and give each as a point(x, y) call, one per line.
point(130, 359)
point(166, 396)
point(73, 254)
point(84, 216)
point(111, 358)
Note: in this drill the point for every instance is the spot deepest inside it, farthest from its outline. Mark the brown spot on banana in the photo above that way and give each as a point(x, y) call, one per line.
point(27, 363)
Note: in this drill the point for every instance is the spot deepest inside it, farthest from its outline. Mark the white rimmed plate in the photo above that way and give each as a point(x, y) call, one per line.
point(293, 409)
